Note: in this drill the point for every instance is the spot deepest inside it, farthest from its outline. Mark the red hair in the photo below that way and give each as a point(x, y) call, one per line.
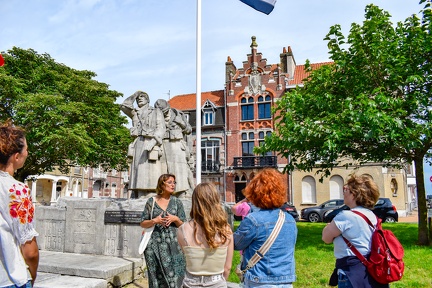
point(267, 190)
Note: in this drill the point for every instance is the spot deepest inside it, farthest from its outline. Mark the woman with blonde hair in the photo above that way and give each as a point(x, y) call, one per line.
point(360, 194)
point(206, 240)
point(268, 192)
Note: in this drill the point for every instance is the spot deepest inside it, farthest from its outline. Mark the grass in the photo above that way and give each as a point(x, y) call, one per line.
point(315, 260)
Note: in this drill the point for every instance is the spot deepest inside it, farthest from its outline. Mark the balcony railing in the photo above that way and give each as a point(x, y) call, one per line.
point(210, 166)
point(255, 161)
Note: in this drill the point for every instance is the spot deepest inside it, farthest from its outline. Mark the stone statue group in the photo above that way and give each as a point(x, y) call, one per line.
point(162, 143)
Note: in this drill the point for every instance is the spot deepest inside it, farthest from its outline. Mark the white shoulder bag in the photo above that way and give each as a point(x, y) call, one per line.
point(146, 234)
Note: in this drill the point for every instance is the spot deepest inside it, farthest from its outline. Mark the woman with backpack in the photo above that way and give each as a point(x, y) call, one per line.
point(360, 194)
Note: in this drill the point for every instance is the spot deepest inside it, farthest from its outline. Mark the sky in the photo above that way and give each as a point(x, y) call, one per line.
point(150, 45)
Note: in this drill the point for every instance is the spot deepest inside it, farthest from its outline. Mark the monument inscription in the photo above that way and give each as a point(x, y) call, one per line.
point(123, 217)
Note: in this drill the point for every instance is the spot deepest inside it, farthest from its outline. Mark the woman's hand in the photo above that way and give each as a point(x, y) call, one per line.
point(172, 219)
point(159, 220)
point(150, 223)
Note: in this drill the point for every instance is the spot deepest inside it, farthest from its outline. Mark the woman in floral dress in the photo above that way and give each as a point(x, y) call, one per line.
point(164, 258)
point(19, 254)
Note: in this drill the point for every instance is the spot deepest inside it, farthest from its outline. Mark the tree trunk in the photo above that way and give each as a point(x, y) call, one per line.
point(423, 233)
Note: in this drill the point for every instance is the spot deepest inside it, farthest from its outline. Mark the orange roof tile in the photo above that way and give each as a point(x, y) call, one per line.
point(188, 101)
point(300, 74)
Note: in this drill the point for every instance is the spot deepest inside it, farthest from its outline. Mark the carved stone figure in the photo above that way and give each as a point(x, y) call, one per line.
point(148, 129)
point(176, 154)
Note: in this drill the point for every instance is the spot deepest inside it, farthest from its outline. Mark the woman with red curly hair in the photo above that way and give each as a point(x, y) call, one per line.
point(19, 254)
point(267, 191)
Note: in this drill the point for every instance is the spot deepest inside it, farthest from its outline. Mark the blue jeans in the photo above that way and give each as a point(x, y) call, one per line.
point(27, 285)
point(250, 284)
point(343, 281)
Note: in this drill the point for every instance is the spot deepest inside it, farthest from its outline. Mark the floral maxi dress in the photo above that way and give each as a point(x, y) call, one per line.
point(164, 258)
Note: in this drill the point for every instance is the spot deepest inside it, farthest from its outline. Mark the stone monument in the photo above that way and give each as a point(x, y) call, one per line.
point(161, 144)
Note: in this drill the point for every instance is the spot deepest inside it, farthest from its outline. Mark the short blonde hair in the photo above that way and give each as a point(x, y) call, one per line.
point(364, 189)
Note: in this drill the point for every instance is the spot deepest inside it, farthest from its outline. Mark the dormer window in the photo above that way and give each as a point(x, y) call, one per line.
point(208, 113)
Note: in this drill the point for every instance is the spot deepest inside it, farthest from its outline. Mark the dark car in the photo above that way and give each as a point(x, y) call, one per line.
point(291, 209)
point(316, 213)
point(384, 209)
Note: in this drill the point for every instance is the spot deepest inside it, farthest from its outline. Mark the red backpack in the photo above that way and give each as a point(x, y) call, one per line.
point(385, 262)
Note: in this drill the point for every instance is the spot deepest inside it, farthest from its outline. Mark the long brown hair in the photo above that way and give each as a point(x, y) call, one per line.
point(207, 212)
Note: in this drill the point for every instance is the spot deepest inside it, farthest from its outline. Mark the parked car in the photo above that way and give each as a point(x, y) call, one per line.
point(330, 214)
point(291, 209)
point(316, 213)
point(384, 209)
point(429, 201)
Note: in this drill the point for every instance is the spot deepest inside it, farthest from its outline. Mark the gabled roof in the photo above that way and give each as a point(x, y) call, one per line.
point(188, 101)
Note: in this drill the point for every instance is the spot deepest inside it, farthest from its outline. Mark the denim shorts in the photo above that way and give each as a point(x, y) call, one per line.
point(248, 284)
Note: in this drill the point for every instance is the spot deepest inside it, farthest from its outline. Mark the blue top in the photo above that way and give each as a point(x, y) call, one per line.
point(277, 266)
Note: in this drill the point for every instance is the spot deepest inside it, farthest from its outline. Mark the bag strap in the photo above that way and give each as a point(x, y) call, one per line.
point(267, 244)
point(151, 213)
point(351, 246)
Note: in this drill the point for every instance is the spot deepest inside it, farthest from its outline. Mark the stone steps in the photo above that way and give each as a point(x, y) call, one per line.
point(60, 270)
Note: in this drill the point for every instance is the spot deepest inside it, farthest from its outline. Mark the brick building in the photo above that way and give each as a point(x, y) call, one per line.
point(238, 118)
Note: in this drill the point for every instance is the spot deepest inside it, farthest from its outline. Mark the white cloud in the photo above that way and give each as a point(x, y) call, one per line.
point(150, 45)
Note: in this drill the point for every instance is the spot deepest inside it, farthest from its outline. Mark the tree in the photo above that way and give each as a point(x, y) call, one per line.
point(373, 104)
point(69, 118)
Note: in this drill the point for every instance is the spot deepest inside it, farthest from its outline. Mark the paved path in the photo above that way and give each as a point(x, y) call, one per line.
point(411, 218)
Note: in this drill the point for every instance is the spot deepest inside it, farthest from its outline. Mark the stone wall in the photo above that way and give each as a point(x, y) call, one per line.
point(102, 226)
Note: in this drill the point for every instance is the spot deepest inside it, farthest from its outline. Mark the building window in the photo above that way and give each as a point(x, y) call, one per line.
point(336, 187)
point(247, 143)
point(261, 136)
point(208, 117)
point(308, 190)
point(264, 105)
point(247, 108)
point(210, 151)
point(208, 111)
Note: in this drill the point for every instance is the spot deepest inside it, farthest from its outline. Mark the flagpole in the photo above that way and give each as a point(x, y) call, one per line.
point(198, 94)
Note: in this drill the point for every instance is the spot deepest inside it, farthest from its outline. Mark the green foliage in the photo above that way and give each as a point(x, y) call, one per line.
point(315, 261)
point(373, 104)
point(69, 117)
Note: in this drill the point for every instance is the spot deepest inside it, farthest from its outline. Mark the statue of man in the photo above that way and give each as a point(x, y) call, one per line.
point(148, 129)
point(176, 153)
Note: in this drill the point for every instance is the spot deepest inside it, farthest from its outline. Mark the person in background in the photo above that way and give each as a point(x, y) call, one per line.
point(206, 240)
point(19, 254)
point(267, 191)
point(163, 255)
point(360, 193)
point(241, 208)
